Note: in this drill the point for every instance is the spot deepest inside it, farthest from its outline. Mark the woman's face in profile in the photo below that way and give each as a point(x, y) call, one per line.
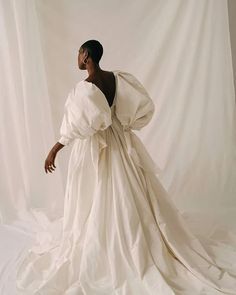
point(81, 58)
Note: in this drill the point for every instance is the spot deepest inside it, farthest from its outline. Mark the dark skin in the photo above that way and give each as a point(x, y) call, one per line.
point(104, 80)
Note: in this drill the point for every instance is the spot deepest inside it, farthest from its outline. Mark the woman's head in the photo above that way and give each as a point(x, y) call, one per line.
point(90, 52)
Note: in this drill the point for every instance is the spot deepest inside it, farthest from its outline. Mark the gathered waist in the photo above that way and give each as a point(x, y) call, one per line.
point(134, 145)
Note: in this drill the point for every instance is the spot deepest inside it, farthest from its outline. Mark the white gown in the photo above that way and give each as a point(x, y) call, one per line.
point(121, 234)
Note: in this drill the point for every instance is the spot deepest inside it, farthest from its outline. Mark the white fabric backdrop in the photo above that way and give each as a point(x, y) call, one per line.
point(232, 29)
point(179, 50)
point(26, 120)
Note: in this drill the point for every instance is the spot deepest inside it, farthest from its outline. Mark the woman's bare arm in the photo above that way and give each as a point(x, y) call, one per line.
point(49, 164)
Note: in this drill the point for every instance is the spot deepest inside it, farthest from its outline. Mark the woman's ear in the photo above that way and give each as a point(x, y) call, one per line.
point(85, 53)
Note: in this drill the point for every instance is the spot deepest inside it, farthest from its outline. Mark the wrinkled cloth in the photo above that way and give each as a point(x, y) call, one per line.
point(121, 234)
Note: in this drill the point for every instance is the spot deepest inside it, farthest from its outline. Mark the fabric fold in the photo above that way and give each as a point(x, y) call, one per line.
point(138, 152)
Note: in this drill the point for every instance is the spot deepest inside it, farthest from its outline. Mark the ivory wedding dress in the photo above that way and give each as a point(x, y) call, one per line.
point(121, 234)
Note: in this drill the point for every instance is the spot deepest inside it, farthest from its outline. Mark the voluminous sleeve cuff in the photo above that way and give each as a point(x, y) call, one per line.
point(63, 140)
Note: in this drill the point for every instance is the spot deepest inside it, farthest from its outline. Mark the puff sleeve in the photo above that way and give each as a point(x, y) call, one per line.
point(84, 114)
point(134, 106)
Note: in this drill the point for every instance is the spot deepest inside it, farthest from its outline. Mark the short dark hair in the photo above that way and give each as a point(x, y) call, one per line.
point(95, 49)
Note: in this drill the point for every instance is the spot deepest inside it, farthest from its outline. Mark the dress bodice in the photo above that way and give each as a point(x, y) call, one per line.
point(87, 110)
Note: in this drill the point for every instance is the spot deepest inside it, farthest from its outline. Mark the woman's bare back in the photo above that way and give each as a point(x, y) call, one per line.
point(106, 82)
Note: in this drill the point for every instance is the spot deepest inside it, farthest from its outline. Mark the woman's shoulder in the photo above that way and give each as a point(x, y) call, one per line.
point(84, 88)
point(76, 94)
point(82, 83)
point(87, 95)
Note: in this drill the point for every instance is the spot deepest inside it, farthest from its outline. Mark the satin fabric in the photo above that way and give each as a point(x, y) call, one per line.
point(121, 234)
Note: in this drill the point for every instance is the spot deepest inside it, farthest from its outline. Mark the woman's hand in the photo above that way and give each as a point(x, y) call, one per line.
point(49, 164)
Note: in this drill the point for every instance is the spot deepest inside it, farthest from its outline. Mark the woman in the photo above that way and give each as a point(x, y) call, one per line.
point(121, 233)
